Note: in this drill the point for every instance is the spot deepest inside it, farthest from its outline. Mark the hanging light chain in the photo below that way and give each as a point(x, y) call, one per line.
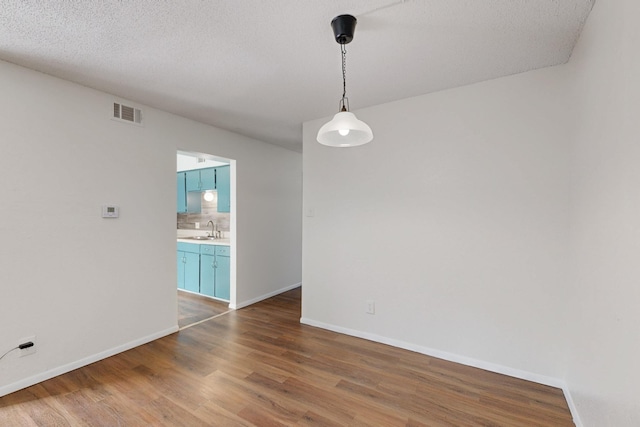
point(343, 49)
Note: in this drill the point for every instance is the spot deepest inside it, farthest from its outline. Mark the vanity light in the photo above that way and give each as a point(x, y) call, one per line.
point(344, 130)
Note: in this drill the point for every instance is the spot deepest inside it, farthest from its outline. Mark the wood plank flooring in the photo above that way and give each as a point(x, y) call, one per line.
point(194, 308)
point(259, 366)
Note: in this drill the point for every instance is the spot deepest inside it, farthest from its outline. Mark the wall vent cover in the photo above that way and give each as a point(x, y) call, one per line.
point(127, 114)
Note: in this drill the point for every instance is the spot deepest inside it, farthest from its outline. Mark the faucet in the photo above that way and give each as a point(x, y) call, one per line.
point(213, 229)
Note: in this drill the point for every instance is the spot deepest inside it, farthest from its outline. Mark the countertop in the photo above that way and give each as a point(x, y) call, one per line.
point(218, 242)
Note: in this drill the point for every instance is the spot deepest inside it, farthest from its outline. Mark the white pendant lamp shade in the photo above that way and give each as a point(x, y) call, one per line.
point(344, 130)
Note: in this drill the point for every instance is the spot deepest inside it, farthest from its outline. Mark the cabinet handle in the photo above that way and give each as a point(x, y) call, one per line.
point(184, 260)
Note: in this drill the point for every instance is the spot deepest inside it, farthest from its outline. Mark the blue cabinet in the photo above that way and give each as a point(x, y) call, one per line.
point(191, 184)
point(223, 185)
point(222, 273)
point(201, 179)
point(207, 179)
point(193, 180)
point(181, 263)
point(188, 263)
point(192, 272)
point(215, 278)
point(207, 274)
point(182, 192)
point(187, 201)
point(204, 269)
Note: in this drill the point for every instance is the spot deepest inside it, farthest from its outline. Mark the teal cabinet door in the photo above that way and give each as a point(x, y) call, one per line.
point(223, 185)
point(207, 179)
point(193, 180)
point(181, 202)
point(188, 266)
point(204, 269)
point(207, 276)
point(223, 276)
point(201, 179)
point(192, 272)
point(181, 261)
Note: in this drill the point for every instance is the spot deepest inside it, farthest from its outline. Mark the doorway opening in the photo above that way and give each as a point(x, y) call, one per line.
point(205, 236)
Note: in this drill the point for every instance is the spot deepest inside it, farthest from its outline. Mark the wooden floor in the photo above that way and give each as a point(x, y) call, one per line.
point(194, 308)
point(259, 366)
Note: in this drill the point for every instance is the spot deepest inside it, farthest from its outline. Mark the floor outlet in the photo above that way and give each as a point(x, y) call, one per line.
point(29, 350)
point(371, 306)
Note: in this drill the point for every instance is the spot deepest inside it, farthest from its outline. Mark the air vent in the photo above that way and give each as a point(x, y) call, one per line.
point(126, 113)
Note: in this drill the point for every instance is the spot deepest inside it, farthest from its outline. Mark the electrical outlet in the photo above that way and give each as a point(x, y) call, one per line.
point(371, 306)
point(30, 350)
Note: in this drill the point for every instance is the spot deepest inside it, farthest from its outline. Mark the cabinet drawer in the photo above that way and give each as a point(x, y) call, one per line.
point(223, 250)
point(207, 249)
point(189, 247)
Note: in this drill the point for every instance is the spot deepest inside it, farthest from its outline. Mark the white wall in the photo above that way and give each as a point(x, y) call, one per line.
point(604, 369)
point(454, 220)
point(496, 224)
point(87, 286)
point(191, 162)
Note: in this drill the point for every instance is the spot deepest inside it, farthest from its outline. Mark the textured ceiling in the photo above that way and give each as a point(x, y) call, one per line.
point(262, 68)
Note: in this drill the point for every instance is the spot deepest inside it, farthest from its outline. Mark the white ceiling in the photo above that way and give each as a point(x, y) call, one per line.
point(262, 68)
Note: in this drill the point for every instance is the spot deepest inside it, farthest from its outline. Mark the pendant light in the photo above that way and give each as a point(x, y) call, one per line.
point(344, 130)
point(208, 196)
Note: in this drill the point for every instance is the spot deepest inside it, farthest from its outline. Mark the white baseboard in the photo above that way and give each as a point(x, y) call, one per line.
point(263, 297)
point(46, 375)
point(203, 296)
point(468, 361)
point(572, 406)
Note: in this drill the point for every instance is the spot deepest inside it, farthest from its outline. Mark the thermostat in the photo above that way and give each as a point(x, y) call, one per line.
point(109, 211)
